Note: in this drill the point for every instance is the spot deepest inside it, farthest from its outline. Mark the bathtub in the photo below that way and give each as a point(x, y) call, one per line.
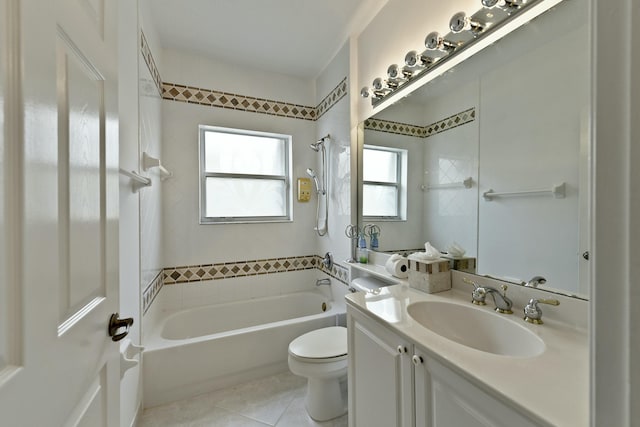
point(201, 349)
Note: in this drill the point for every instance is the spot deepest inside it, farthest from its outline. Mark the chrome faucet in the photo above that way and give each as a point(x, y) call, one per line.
point(320, 282)
point(502, 302)
point(533, 313)
point(535, 281)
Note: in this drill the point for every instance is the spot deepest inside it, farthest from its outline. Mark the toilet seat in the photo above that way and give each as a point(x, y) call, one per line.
point(326, 344)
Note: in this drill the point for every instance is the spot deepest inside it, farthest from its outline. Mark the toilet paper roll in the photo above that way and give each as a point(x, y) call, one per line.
point(397, 266)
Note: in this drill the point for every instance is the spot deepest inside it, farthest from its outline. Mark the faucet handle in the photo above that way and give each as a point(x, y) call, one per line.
point(479, 293)
point(504, 290)
point(533, 313)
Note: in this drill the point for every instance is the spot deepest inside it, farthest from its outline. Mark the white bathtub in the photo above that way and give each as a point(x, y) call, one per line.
point(196, 350)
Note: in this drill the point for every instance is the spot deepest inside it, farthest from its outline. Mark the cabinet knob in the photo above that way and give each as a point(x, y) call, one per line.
point(402, 349)
point(417, 360)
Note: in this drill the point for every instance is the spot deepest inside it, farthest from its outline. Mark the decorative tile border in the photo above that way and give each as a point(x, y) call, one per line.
point(151, 291)
point(330, 100)
point(338, 272)
point(395, 127)
point(450, 122)
point(440, 126)
point(151, 64)
point(214, 98)
point(230, 270)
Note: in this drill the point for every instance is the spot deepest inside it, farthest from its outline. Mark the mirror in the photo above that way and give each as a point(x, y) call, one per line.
point(494, 156)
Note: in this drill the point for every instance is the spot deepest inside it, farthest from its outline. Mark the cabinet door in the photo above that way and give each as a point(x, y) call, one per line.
point(380, 376)
point(445, 399)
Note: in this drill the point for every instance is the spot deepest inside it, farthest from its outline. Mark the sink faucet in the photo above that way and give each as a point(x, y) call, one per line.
point(533, 313)
point(535, 281)
point(320, 282)
point(502, 302)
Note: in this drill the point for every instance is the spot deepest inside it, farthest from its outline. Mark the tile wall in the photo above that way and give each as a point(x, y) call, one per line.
point(184, 275)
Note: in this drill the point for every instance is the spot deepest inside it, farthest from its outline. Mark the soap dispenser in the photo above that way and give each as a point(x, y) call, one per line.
point(362, 254)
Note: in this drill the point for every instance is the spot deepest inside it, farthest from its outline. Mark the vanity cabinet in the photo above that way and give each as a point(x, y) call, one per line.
point(394, 382)
point(380, 375)
point(445, 399)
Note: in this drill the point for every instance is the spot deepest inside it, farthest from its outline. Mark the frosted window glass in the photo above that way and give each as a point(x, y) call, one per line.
point(379, 200)
point(244, 154)
point(242, 197)
point(379, 166)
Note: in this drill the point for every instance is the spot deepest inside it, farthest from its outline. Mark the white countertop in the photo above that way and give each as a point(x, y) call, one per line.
point(551, 388)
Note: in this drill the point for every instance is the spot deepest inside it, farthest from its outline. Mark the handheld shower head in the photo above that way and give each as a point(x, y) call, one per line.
point(312, 174)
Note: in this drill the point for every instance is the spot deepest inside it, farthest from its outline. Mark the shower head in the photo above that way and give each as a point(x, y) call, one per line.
point(312, 174)
point(315, 146)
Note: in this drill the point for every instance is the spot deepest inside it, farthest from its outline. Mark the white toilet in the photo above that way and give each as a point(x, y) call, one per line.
point(321, 356)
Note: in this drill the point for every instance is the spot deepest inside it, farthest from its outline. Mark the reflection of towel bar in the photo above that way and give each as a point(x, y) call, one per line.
point(138, 180)
point(467, 183)
point(557, 191)
point(149, 162)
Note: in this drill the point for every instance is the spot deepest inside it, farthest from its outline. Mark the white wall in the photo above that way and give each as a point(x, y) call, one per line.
point(336, 122)
point(150, 134)
point(186, 242)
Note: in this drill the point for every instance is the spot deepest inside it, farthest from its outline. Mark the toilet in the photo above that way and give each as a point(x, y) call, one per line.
point(321, 357)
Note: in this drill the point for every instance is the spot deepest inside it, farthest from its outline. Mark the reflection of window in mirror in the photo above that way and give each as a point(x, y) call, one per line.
point(384, 183)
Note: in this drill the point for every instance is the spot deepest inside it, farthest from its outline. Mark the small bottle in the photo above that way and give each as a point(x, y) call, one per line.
point(374, 241)
point(362, 254)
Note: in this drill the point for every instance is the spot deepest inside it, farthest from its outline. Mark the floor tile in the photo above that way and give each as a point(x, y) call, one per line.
point(259, 403)
point(296, 416)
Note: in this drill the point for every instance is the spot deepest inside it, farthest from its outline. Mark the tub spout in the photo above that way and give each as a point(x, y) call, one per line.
point(320, 282)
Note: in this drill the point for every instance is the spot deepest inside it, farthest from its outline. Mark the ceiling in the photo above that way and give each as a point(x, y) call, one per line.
point(293, 37)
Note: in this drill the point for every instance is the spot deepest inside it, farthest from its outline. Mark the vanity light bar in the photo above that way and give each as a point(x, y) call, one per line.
point(496, 17)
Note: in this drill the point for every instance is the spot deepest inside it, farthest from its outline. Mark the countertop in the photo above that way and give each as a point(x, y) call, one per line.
point(551, 388)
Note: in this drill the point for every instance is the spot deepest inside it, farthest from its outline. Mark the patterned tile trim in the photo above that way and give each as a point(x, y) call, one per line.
point(338, 272)
point(450, 122)
point(394, 127)
point(227, 270)
point(151, 291)
point(151, 64)
point(440, 126)
point(330, 100)
point(214, 98)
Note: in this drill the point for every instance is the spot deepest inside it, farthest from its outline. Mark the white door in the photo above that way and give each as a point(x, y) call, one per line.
point(58, 213)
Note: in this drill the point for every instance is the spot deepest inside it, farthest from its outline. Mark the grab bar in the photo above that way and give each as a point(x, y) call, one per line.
point(149, 162)
point(466, 183)
point(557, 191)
point(138, 180)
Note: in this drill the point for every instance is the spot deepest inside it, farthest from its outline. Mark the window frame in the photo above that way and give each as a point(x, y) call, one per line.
point(399, 184)
point(203, 175)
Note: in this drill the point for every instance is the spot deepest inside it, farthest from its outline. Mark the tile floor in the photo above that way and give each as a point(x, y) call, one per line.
point(277, 401)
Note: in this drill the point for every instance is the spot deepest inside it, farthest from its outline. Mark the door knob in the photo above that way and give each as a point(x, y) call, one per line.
point(116, 323)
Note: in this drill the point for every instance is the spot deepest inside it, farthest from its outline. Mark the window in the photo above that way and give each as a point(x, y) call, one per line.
point(244, 176)
point(383, 175)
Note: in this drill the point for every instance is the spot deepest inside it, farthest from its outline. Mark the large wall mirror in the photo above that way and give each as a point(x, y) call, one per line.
point(494, 156)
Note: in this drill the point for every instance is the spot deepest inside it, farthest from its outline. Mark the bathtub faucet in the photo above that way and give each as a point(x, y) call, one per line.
point(323, 282)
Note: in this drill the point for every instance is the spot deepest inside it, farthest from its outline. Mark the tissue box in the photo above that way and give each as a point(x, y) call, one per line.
point(468, 265)
point(430, 276)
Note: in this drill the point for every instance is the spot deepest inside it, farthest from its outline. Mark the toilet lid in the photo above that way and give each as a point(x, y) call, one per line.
point(321, 343)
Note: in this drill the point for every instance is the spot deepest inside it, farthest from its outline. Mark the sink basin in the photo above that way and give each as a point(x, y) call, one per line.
point(477, 328)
